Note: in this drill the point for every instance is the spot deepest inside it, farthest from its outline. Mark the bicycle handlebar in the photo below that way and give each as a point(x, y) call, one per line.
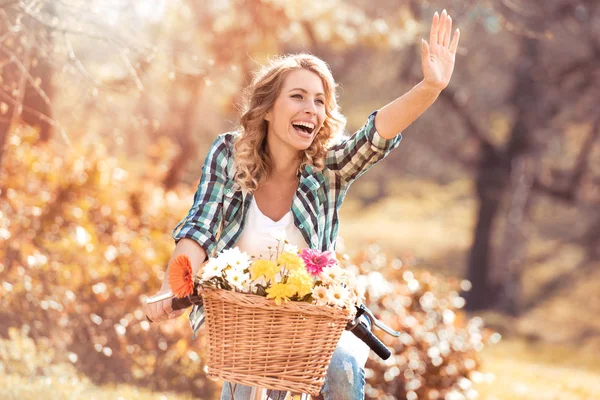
point(356, 326)
point(362, 332)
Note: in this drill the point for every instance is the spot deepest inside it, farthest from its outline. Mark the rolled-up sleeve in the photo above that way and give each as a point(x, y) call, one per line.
point(202, 221)
point(353, 156)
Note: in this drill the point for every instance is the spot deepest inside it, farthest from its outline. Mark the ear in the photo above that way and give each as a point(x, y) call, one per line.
point(268, 116)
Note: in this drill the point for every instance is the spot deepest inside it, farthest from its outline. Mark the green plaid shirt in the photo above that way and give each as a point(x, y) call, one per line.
point(221, 206)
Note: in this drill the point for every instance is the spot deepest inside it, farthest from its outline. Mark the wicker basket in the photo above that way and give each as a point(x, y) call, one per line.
point(255, 342)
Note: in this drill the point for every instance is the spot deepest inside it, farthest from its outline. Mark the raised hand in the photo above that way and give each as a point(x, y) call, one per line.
point(437, 56)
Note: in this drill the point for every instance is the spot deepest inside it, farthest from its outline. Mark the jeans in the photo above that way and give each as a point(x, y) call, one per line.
point(344, 380)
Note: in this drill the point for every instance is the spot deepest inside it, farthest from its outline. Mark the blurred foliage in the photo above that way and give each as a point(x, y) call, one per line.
point(85, 238)
point(437, 353)
point(82, 240)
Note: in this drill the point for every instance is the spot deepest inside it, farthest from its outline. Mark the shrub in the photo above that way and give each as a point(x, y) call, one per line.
point(85, 239)
point(437, 353)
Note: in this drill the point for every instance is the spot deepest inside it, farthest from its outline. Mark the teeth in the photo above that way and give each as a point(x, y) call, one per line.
point(309, 125)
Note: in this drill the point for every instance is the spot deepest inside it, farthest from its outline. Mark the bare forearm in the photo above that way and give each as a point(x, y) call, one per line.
point(193, 250)
point(394, 117)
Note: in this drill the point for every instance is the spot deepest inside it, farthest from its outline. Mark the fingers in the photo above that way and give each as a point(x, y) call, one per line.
point(176, 314)
point(166, 306)
point(442, 28)
point(433, 35)
point(151, 314)
point(163, 309)
point(454, 44)
point(424, 51)
point(160, 311)
point(448, 31)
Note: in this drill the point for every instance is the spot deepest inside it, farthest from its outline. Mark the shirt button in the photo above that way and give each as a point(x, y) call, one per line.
point(227, 190)
point(301, 226)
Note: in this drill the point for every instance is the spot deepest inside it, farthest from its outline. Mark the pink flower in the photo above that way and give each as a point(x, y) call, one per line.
point(317, 261)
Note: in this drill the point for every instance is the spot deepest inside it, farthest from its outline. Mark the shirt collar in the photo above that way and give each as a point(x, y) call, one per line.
point(308, 179)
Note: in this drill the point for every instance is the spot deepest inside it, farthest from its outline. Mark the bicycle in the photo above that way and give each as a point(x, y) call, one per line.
point(356, 326)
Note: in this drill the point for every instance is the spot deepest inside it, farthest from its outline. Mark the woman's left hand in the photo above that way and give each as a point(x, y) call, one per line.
point(438, 55)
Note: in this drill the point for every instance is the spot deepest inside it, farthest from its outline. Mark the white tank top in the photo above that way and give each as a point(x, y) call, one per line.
point(256, 238)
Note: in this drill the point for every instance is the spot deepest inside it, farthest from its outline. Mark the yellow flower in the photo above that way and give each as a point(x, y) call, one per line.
point(265, 268)
point(291, 261)
point(301, 281)
point(280, 291)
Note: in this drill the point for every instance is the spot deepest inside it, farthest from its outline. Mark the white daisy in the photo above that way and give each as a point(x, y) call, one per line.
point(211, 269)
point(333, 274)
point(321, 295)
point(219, 260)
point(339, 295)
point(357, 291)
point(236, 278)
point(238, 260)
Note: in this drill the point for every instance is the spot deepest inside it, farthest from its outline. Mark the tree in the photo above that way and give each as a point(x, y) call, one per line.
point(36, 40)
point(26, 91)
point(547, 98)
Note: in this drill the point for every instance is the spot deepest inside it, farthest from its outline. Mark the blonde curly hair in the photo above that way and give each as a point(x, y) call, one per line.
point(251, 159)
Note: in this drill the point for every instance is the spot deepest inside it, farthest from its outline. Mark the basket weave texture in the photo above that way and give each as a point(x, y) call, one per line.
point(255, 342)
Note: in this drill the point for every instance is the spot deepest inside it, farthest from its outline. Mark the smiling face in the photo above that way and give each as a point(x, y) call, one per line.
point(298, 113)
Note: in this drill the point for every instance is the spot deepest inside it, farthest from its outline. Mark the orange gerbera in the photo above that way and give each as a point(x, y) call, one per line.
point(181, 277)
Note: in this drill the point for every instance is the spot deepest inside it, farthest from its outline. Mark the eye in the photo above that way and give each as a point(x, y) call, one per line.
point(297, 96)
point(321, 101)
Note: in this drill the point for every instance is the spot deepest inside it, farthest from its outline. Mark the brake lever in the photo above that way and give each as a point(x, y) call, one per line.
point(159, 297)
point(376, 322)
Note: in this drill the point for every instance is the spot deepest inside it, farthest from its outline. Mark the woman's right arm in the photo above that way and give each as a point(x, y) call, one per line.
point(195, 235)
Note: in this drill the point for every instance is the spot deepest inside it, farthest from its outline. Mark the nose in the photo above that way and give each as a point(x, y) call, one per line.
point(311, 108)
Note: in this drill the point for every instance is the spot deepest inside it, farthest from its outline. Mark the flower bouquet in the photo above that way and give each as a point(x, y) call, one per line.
point(273, 322)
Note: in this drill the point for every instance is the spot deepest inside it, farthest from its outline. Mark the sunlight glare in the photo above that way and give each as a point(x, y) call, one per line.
point(150, 11)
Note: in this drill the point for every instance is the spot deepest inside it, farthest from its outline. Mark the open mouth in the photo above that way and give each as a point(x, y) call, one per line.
point(304, 129)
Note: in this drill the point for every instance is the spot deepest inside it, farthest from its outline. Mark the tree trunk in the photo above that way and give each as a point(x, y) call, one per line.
point(39, 106)
point(493, 179)
point(6, 111)
point(30, 104)
point(490, 185)
point(508, 276)
point(187, 148)
point(38, 96)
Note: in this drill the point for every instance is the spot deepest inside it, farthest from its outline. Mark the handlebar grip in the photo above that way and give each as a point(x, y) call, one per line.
point(363, 333)
point(183, 303)
point(180, 303)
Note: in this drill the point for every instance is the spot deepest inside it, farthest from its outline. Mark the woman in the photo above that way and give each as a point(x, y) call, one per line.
point(285, 169)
